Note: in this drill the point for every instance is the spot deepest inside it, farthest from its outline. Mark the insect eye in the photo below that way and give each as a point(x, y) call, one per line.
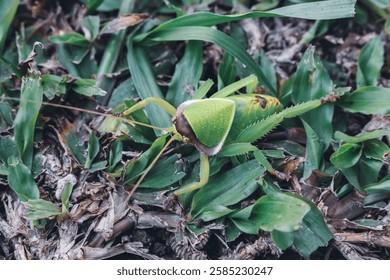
point(262, 102)
point(183, 128)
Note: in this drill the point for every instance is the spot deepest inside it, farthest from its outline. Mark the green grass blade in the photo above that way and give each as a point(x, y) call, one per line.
point(163, 174)
point(7, 148)
point(93, 149)
point(216, 37)
point(21, 180)
point(312, 81)
point(65, 196)
point(367, 100)
point(364, 136)
point(41, 209)
point(93, 4)
point(370, 62)
point(319, 10)
point(314, 150)
point(203, 89)
point(347, 155)
point(146, 85)
point(332, 9)
point(228, 188)
point(7, 12)
point(30, 104)
point(11, 67)
point(278, 211)
point(113, 49)
point(312, 234)
point(227, 71)
point(187, 74)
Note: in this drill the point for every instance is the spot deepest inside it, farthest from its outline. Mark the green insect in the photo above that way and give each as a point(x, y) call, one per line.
point(224, 119)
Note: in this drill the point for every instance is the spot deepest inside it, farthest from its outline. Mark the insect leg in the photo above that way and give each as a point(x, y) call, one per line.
point(203, 174)
point(250, 82)
point(160, 102)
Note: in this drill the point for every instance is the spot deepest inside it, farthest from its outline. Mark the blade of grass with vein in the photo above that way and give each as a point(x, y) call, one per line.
point(114, 46)
point(332, 9)
point(7, 13)
point(370, 62)
point(227, 71)
point(187, 74)
point(21, 180)
point(216, 37)
point(312, 81)
point(146, 85)
point(30, 104)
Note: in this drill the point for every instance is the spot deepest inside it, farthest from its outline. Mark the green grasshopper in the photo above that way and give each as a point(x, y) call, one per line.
point(223, 119)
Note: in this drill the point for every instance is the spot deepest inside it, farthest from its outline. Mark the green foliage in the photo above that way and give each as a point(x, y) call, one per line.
point(319, 28)
point(370, 62)
point(187, 74)
point(226, 71)
point(65, 195)
point(216, 37)
point(7, 149)
point(236, 149)
point(312, 234)
point(165, 173)
point(347, 155)
point(277, 211)
point(21, 180)
point(136, 166)
point(146, 84)
point(360, 158)
point(367, 100)
point(377, 191)
point(228, 188)
point(76, 145)
point(93, 150)
point(30, 103)
point(7, 12)
point(75, 39)
point(53, 86)
point(87, 87)
point(93, 4)
point(316, 10)
point(41, 209)
point(364, 136)
point(115, 155)
point(313, 82)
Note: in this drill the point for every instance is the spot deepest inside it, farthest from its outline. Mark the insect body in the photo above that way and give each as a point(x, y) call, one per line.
point(209, 123)
point(223, 119)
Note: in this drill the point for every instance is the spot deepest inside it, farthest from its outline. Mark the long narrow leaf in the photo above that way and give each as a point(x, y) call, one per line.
point(187, 74)
point(145, 83)
point(228, 188)
point(21, 180)
point(113, 49)
point(370, 62)
point(313, 82)
point(7, 13)
point(367, 100)
point(30, 104)
point(332, 9)
point(216, 37)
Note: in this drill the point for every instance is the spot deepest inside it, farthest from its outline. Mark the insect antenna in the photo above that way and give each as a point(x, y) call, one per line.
point(138, 183)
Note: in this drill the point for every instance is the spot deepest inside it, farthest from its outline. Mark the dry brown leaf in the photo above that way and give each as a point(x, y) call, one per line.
point(122, 22)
